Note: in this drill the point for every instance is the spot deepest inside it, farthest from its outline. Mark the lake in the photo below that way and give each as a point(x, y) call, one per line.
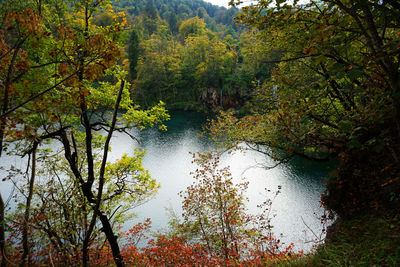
point(168, 159)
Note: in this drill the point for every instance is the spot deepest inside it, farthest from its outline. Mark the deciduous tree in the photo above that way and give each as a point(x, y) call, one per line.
point(76, 97)
point(335, 88)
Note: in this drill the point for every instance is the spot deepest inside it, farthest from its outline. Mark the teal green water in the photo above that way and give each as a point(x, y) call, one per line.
point(296, 208)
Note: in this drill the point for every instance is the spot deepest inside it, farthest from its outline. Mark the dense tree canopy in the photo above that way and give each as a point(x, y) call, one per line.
point(334, 92)
point(166, 73)
point(319, 80)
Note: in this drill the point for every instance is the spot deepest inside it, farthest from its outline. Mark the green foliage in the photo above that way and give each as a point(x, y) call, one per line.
point(129, 183)
point(192, 27)
point(147, 118)
point(182, 72)
point(60, 211)
point(133, 54)
point(158, 70)
point(156, 54)
point(333, 89)
point(183, 9)
point(63, 91)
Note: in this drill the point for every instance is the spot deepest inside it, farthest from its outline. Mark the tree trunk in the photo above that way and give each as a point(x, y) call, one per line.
point(2, 234)
point(107, 228)
point(112, 240)
point(25, 259)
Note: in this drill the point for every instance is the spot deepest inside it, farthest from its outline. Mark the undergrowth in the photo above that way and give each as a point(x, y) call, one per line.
point(364, 241)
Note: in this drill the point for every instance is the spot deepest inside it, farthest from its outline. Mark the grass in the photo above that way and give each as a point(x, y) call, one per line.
point(364, 241)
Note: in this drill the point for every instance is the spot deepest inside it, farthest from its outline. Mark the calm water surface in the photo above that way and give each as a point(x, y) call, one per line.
point(297, 207)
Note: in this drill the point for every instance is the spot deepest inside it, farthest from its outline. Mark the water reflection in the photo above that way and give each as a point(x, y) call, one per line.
point(297, 207)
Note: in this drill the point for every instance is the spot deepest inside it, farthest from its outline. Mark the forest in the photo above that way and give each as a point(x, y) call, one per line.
point(318, 80)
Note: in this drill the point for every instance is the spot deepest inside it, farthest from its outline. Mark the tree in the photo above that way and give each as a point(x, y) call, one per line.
point(213, 209)
point(215, 221)
point(192, 27)
point(133, 54)
point(61, 210)
point(335, 88)
point(158, 70)
point(20, 31)
point(150, 19)
point(257, 54)
point(208, 62)
point(79, 56)
point(172, 20)
point(201, 13)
